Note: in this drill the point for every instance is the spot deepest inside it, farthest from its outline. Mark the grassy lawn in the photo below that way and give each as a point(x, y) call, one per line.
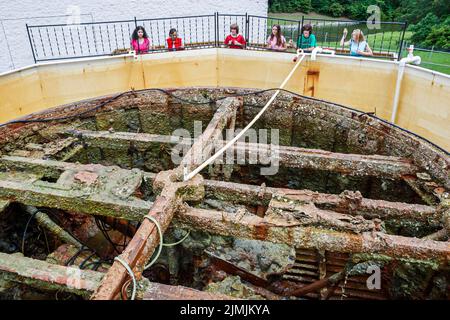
point(438, 61)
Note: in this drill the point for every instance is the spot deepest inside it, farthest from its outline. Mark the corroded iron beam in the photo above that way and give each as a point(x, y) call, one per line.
point(158, 291)
point(73, 200)
point(88, 189)
point(54, 169)
point(424, 188)
point(53, 195)
point(347, 202)
point(45, 221)
point(44, 275)
point(344, 163)
point(351, 164)
point(48, 276)
point(253, 227)
point(202, 147)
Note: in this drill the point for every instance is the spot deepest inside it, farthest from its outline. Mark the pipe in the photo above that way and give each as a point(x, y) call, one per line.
point(320, 50)
point(401, 70)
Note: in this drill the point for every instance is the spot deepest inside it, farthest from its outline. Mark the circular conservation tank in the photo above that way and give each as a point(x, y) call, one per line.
point(323, 199)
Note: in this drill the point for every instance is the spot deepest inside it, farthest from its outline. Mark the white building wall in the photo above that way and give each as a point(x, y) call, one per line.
point(15, 50)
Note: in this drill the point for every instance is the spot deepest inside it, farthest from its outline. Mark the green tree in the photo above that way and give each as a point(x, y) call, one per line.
point(336, 9)
point(290, 6)
point(439, 36)
point(423, 28)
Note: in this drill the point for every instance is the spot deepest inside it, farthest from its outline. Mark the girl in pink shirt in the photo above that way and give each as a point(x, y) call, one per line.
point(276, 41)
point(140, 42)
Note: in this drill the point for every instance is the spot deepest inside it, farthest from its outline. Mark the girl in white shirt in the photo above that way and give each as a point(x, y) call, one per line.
point(358, 44)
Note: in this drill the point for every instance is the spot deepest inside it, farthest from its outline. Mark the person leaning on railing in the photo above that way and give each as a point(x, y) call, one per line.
point(174, 43)
point(276, 41)
point(235, 40)
point(306, 41)
point(140, 42)
point(358, 44)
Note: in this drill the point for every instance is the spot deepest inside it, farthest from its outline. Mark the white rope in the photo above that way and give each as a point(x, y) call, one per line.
point(239, 135)
point(161, 241)
point(158, 227)
point(161, 244)
point(130, 272)
point(178, 242)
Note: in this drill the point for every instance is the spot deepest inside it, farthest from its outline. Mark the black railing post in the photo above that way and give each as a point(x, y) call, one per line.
point(31, 45)
point(300, 26)
point(216, 28)
point(247, 21)
point(135, 22)
point(401, 42)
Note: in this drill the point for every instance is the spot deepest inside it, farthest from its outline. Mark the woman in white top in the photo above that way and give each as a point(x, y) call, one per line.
point(358, 44)
point(276, 41)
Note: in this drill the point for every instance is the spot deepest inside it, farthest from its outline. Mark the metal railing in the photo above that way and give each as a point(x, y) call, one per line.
point(66, 41)
point(260, 28)
point(385, 41)
point(196, 31)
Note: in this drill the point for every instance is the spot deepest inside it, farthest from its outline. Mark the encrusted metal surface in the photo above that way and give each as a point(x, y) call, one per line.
point(351, 191)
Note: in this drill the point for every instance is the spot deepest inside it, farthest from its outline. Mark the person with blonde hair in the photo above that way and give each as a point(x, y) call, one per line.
point(358, 44)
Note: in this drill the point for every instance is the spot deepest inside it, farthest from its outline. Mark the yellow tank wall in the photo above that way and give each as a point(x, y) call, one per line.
point(20, 94)
point(424, 106)
point(261, 70)
point(364, 85)
point(367, 85)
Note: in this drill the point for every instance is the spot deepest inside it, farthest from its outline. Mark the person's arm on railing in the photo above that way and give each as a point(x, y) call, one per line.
point(344, 35)
point(229, 41)
point(313, 43)
point(291, 44)
point(240, 42)
point(367, 51)
point(283, 46)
